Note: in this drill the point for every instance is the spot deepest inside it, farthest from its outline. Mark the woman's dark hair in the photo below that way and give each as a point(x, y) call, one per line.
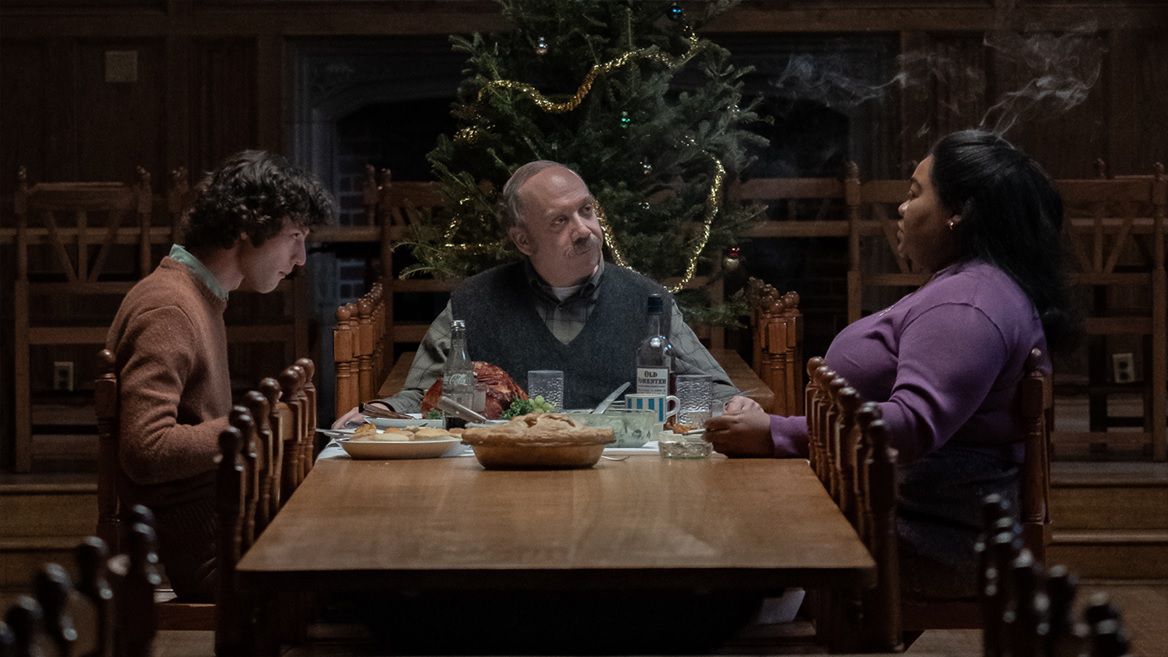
point(1011, 217)
point(251, 193)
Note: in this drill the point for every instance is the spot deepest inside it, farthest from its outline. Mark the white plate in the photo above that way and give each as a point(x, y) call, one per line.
point(399, 449)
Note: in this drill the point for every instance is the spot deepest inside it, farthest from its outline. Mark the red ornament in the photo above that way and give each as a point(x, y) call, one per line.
point(733, 258)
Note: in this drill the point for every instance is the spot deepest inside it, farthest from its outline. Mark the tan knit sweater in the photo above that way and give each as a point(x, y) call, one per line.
point(175, 392)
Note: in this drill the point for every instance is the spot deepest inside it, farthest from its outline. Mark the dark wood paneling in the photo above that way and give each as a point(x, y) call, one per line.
point(223, 100)
point(1139, 101)
point(120, 125)
point(764, 16)
point(37, 111)
point(43, 5)
point(22, 128)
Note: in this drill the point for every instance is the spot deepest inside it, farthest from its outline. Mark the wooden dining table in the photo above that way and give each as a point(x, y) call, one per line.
point(642, 524)
point(741, 375)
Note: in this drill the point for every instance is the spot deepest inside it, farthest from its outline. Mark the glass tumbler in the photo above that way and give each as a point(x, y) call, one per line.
point(694, 393)
point(548, 384)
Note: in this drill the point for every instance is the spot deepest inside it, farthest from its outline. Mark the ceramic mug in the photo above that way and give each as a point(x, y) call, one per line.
point(665, 406)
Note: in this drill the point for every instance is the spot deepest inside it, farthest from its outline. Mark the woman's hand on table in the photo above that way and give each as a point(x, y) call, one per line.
point(744, 429)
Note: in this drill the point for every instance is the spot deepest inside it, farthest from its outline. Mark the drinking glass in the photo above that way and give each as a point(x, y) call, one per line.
point(547, 383)
point(694, 392)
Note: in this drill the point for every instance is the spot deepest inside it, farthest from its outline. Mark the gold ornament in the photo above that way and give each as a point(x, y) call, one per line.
point(482, 247)
point(467, 135)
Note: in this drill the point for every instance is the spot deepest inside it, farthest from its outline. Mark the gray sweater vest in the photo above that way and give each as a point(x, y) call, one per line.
point(503, 328)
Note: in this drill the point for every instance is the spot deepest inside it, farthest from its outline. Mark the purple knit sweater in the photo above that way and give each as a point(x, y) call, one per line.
point(944, 362)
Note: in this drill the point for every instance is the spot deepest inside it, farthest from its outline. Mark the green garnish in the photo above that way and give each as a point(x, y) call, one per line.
point(524, 406)
point(433, 414)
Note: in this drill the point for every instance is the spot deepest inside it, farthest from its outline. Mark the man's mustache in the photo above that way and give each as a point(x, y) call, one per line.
point(585, 245)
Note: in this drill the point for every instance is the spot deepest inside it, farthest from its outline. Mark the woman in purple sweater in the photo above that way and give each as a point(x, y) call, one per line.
point(945, 361)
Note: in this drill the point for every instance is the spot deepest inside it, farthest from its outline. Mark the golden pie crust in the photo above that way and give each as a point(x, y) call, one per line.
point(538, 429)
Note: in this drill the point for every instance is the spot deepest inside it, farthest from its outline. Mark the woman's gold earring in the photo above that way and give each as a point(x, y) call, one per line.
point(952, 224)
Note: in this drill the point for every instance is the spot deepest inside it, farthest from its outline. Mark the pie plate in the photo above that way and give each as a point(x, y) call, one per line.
point(398, 449)
point(538, 441)
point(535, 456)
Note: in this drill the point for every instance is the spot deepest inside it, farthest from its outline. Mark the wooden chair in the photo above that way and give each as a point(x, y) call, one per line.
point(346, 380)
point(278, 455)
point(777, 331)
point(849, 451)
point(109, 611)
point(359, 349)
point(760, 297)
point(396, 205)
point(68, 238)
point(1036, 407)
point(1035, 410)
point(785, 347)
point(111, 525)
point(796, 207)
point(292, 419)
point(1116, 232)
point(1028, 611)
point(264, 455)
point(236, 485)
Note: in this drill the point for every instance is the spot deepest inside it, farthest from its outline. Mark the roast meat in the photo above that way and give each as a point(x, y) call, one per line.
point(500, 390)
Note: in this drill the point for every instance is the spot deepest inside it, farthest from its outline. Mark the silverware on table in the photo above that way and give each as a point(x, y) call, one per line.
point(451, 407)
point(604, 403)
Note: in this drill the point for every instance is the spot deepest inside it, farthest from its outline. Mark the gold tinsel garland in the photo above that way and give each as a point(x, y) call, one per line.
point(713, 199)
point(650, 54)
point(471, 133)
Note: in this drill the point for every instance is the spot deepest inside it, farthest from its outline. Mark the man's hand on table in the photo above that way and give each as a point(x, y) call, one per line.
point(744, 429)
point(352, 417)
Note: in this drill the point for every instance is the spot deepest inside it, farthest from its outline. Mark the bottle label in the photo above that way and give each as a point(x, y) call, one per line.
point(652, 380)
point(459, 386)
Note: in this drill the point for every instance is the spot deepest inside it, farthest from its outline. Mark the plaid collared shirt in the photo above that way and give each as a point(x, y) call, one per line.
point(565, 319)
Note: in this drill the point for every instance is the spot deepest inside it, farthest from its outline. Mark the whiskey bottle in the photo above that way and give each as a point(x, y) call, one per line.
point(654, 354)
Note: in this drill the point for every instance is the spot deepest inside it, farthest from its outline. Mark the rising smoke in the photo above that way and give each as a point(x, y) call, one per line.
point(1056, 74)
point(1060, 70)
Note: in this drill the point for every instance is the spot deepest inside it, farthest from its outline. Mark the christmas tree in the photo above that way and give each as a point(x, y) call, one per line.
point(625, 93)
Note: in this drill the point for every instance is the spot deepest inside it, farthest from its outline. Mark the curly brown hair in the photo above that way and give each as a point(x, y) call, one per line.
point(252, 193)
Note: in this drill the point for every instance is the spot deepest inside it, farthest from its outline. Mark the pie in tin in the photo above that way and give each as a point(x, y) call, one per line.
point(538, 440)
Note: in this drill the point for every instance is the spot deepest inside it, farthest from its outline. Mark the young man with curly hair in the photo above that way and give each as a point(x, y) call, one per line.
point(246, 230)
